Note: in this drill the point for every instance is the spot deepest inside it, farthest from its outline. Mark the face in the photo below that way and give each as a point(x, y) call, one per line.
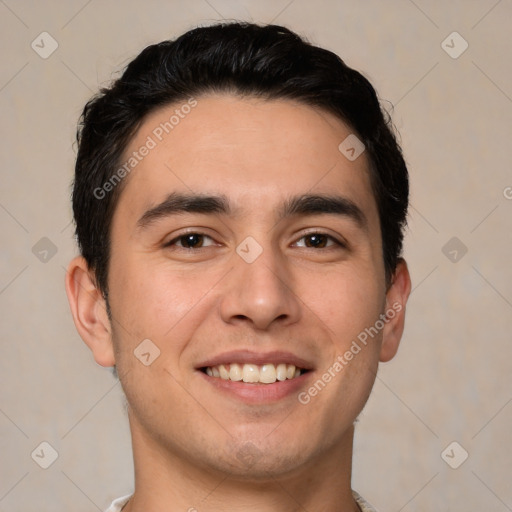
point(245, 237)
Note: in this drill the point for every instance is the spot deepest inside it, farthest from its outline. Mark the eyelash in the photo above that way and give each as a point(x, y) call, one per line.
point(330, 237)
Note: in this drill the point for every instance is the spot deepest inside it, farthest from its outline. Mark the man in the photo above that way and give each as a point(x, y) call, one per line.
point(240, 201)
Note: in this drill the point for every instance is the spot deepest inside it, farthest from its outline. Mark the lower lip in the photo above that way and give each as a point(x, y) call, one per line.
point(259, 393)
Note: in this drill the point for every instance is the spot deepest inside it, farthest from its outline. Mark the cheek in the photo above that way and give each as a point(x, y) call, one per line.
point(154, 301)
point(347, 301)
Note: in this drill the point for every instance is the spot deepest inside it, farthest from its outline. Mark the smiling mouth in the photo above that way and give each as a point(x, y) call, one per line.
point(254, 373)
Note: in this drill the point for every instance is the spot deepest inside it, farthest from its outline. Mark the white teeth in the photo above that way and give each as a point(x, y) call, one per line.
point(281, 371)
point(268, 373)
point(224, 374)
point(252, 373)
point(235, 372)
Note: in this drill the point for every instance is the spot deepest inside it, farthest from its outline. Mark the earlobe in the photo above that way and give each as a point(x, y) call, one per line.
point(396, 299)
point(89, 312)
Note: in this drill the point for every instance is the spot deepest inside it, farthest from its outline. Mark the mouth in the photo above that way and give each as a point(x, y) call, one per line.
point(256, 378)
point(249, 373)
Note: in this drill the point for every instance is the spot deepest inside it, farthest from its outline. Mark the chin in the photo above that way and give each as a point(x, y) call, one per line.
point(263, 468)
point(260, 461)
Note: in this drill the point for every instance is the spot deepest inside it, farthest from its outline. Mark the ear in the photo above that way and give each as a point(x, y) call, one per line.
point(396, 299)
point(88, 308)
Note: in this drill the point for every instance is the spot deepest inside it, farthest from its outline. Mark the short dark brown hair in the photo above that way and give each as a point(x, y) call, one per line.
point(269, 62)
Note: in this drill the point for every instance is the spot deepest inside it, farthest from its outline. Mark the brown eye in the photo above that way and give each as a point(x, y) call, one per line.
point(190, 241)
point(318, 241)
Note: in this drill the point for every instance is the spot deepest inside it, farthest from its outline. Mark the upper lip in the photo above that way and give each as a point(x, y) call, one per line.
point(248, 356)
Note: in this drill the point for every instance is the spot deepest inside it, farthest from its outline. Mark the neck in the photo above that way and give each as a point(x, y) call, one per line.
point(167, 480)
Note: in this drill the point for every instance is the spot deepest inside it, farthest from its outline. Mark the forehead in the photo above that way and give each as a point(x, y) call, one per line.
point(249, 149)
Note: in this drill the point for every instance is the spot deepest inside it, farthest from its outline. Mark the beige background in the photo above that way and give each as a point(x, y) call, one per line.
point(451, 378)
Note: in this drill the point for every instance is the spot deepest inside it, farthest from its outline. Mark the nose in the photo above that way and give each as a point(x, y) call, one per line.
point(260, 293)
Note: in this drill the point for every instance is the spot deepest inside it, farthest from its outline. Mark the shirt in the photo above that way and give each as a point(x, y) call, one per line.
point(118, 504)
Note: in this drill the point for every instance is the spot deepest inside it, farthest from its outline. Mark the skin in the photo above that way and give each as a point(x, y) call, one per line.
point(188, 438)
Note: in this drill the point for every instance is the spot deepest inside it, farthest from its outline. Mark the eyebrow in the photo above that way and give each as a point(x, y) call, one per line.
point(305, 204)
